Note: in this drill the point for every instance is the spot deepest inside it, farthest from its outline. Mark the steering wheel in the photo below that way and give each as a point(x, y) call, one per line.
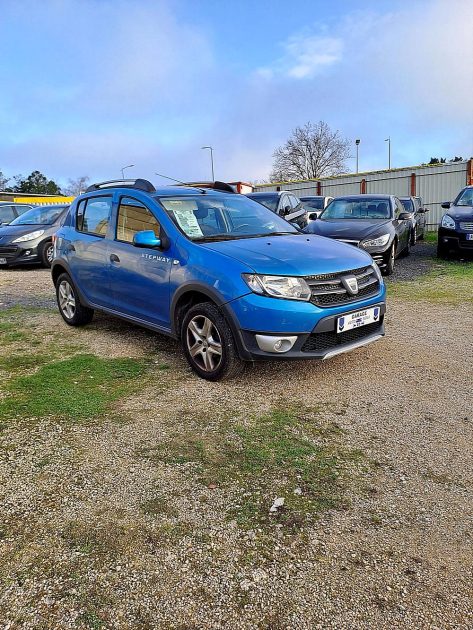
point(243, 225)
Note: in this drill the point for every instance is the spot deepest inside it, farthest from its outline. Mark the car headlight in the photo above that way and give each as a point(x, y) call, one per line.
point(29, 237)
point(448, 222)
point(377, 271)
point(286, 287)
point(380, 241)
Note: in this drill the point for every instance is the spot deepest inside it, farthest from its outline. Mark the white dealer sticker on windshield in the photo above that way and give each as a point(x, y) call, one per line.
point(186, 218)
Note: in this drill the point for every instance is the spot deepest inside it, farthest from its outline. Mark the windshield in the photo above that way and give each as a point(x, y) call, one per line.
point(42, 215)
point(408, 205)
point(226, 217)
point(270, 201)
point(313, 204)
point(353, 208)
point(466, 198)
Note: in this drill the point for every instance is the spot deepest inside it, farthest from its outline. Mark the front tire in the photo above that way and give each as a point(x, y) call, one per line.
point(208, 343)
point(47, 254)
point(414, 235)
point(389, 268)
point(442, 251)
point(72, 311)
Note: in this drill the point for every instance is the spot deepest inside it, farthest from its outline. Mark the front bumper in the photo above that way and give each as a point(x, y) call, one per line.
point(317, 340)
point(455, 240)
point(19, 254)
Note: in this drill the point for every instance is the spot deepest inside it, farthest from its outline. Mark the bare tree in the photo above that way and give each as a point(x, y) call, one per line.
point(77, 186)
point(312, 151)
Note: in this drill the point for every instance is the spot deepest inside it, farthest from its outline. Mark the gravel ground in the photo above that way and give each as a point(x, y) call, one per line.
point(398, 556)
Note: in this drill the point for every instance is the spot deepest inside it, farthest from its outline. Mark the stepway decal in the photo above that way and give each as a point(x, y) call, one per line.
point(156, 257)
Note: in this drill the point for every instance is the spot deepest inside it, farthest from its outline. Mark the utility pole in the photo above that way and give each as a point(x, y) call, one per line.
point(211, 160)
point(123, 169)
point(357, 142)
point(388, 140)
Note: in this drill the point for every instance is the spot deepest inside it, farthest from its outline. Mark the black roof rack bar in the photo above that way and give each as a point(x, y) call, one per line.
point(223, 186)
point(139, 184)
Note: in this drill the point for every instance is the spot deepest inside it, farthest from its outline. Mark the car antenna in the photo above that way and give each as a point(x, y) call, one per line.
point(173, 179)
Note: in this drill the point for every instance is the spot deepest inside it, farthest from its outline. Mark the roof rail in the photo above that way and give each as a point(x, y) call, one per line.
point(139, 184)
point(223, 186)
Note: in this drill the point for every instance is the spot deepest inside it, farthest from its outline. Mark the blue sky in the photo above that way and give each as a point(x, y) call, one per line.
point(89, 86)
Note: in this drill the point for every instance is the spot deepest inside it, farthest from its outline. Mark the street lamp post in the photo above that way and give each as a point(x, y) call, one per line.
point(123, 169)
point(211, 160)
point(357, 142)
point(388, 140)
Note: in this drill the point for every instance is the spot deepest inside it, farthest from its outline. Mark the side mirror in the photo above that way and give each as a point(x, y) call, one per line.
point(404, 216)
point(146, 238)
point(446, 205)
point(425, 209)
point(313, 216)
point(287, 209)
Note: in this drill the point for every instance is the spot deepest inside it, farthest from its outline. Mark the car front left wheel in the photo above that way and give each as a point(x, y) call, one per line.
point(208, 343)
point(47, 253)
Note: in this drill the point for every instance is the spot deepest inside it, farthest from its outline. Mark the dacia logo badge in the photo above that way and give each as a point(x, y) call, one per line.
point(351, 284)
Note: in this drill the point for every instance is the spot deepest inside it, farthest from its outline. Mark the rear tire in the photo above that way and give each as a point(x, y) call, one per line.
point(389, 268)
point(72, 311)
point(407, 249)
point(47, 253)
point(208, 343)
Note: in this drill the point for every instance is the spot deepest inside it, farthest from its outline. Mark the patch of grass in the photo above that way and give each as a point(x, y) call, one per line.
point(431, 237)
point(449, 282)
point(157, 505)
point(283, 453)
point(91, 620)
point(79, 388)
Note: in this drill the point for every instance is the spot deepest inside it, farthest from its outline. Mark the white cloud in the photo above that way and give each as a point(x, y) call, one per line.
point(305, 56)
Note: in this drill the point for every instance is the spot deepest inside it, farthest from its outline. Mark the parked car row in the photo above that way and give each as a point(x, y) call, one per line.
point(382, 225)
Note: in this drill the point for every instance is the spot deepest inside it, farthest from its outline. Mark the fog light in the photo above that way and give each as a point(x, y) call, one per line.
point(271, 343)
point(28, 252)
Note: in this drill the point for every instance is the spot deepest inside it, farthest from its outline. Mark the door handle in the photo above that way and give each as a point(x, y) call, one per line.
point(114, 258)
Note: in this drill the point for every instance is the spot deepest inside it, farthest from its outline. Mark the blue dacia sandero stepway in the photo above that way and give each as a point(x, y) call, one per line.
point(222, 273)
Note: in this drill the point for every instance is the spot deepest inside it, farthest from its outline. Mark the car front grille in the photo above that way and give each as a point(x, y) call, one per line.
point(467, 226)
point(348, 241)
point(331, 289)
point(318, 342)
point(8, 251)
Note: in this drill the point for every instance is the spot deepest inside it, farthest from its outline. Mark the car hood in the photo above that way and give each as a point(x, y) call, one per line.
point(460, 213)
point(293, 255)
point(10, 232)
point(353, 229)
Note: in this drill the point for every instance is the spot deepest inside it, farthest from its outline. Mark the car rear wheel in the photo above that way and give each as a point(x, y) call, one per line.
point(389, 268)
point(47, 253)
point(72, 311)
point(208, 343)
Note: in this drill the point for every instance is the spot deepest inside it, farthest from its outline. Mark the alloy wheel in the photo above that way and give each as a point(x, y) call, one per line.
point(50, 253)
point(67, 300)
point(204, 343)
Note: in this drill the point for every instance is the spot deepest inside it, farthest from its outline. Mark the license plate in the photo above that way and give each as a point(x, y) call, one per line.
point(469, 237)
point(3, 261)
point(360, 318)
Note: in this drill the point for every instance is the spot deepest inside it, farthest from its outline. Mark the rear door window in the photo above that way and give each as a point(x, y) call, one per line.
point(93, 215)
